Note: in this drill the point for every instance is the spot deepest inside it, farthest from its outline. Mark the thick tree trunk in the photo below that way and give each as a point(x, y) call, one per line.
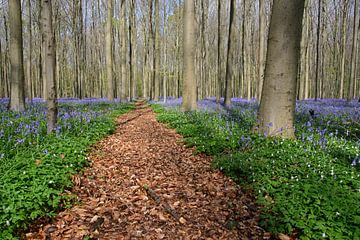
point(108, 51)
point(17, 98)
point(277, 106)
point(49, 65)
point(189, 88)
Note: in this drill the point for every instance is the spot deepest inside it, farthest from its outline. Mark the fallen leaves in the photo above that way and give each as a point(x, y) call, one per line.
point(144, 184)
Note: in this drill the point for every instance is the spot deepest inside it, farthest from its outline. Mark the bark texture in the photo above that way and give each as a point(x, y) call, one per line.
point(277, 106)
point(189, 88)
point(49, 65)
point(17, 97)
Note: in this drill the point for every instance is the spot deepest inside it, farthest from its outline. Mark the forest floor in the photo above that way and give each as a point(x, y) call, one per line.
point(143, 183)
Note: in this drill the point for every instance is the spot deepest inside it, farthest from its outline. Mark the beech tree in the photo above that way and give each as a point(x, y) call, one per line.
point(277, 105)
point(227, 100)
point(189, 86)
point(17, 98)
point(108, 49)
point(49, 64)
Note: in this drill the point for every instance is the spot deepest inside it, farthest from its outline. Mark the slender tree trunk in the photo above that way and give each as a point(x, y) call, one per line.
point(262, 33)
point(317, 71)
point(49, 65)
point(17, 98)
point(228, 77)
point(29, 57)
point(343, 49)
point(219, 82)
point(354, 52)
point(108, 50)
point(134, 49)
point(189, 88)
point(123, 51)
point(165, 66)
point(131, 76)
point(277, 106)
point(2, 76)
point(157, 52)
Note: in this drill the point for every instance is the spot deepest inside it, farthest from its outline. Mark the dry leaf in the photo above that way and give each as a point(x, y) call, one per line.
point(182, 220)
point(283, 237)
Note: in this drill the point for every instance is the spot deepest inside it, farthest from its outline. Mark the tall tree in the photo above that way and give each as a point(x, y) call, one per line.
point(17, 98)
point(123, 50)
point(318, 47)
point(277, 105)
point(262, 34)
point(343, 48)
point(354, 51)
point(29, 57)
point(131, 52)
point(108, 50)
point(229, 57)
point(49, 64)
point(218, 54)
point(157, 52)
point(189, 86)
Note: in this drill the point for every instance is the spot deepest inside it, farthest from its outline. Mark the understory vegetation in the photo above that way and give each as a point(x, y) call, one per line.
point(36, 168)
point(309, 187)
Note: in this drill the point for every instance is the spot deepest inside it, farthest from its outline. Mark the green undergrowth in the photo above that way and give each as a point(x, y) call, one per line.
point(301, 185)
point(36, 170)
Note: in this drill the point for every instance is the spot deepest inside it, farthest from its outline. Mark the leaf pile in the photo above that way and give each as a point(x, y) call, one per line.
point(144, 184)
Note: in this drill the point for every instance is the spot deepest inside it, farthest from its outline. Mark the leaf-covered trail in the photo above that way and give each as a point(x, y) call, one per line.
point(144, 184)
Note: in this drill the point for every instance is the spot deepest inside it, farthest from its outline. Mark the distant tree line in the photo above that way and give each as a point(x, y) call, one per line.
point(139, 46)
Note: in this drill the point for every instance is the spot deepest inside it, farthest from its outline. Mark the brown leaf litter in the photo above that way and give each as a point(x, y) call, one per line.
point(144, 184)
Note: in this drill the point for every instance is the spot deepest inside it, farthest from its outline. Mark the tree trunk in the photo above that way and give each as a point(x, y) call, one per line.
point(123, 51)
point(262, 33)
point(354, 52)
point(219, 82)
point(229, 57)
point(277, 106)
point(108, 51)
point(157, 52)
point(17, 98)
point(189, 86)
point(131, 76)
point(49, 65)
point(29, 57)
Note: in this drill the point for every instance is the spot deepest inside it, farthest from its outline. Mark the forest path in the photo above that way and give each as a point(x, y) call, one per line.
point(144, 184)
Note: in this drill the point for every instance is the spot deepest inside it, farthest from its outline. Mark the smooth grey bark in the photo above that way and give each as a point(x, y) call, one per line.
point(277, 106)
point(219, 82)
point(262, 33)
point(108, 51)
point(157, 52)
point(49, 65)
point(189, 85)
point(17, 97)
point(354, 52)
point(123, 51)
point(29, 57)
point(227, 99)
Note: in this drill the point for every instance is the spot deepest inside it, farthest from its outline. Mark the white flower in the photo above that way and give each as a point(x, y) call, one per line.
point(323, 235)
point(51, 182)
point(337, 214)
point(7, 222)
